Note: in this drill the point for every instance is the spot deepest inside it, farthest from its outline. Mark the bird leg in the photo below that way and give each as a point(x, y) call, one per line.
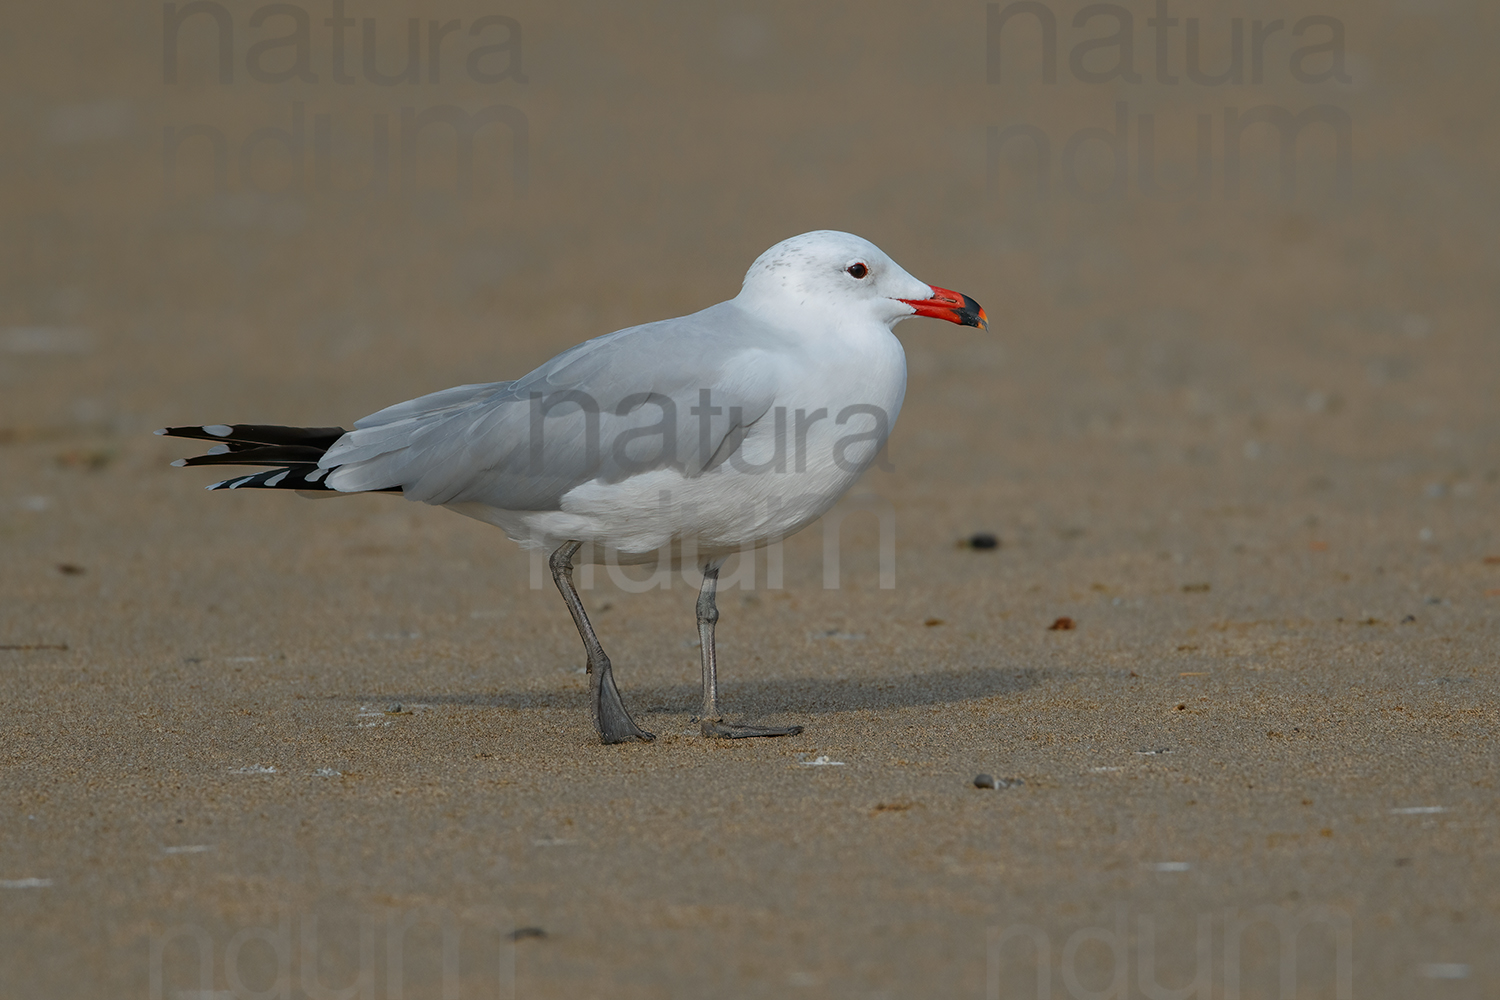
point(610, 718)
point(708, 616)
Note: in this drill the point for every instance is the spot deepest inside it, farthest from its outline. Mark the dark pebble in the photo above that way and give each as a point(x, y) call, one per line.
point(983, 540)
point(522, 933)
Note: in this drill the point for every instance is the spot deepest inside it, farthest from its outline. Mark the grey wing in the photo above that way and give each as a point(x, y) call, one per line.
point(675, 394)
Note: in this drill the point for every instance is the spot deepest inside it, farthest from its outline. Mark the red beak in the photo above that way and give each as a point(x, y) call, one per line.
point(955, 307)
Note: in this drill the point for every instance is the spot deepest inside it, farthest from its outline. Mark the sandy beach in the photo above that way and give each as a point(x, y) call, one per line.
point(1241, 437)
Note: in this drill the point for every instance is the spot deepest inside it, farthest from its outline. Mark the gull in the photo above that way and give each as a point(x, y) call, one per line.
point(686, 440)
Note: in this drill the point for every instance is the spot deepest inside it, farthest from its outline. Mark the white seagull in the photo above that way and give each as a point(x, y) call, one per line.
point(687, 439)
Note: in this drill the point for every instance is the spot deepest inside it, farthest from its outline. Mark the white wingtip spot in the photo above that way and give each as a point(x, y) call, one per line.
point(278, 477)
point(180, 463)
point(219, 449)
point(215, 486)
point(313, 477)
point(218, 430)
point(160, 432)
point(241, 482)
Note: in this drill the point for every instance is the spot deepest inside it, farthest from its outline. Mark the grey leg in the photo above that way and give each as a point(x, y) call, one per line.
point(708, 616)
point(610, 718)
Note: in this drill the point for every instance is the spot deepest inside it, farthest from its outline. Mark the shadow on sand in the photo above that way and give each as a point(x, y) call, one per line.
point(757, 696)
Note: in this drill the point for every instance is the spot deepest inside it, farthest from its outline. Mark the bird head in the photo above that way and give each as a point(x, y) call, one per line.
point(840, 273)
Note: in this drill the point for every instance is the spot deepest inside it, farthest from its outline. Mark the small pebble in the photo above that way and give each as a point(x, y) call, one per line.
point(990, 781)
point(983, 540)
point(522, 933)
point(1063, 624)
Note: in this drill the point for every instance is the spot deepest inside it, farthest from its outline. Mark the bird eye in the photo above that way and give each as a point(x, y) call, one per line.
point(857, 270)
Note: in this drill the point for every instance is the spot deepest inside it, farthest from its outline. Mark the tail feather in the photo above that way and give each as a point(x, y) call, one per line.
point(292, 451)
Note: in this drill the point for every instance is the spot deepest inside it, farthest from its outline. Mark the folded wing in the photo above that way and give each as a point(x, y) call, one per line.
point(675, 394)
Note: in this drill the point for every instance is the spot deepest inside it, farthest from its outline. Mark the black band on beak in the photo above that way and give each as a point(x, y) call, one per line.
point(971, 314)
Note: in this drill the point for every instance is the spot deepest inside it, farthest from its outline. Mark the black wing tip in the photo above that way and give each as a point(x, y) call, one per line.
point(303, 479)
point(279, 456)
point(261, 434)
